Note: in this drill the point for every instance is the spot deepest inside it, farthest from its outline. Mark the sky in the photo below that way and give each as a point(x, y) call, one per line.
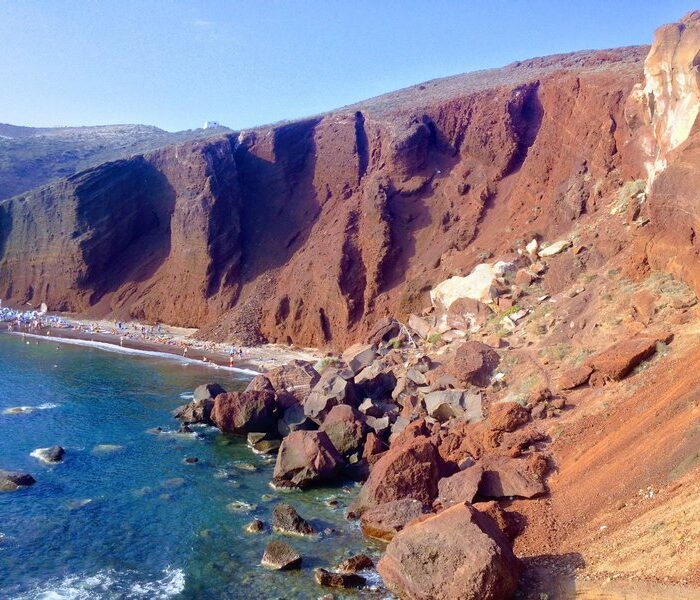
point(176, 64)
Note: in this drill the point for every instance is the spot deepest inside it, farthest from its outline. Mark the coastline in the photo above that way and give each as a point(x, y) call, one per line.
point(168, 343)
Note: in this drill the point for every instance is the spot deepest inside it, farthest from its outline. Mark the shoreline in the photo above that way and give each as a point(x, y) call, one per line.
point(170, 344)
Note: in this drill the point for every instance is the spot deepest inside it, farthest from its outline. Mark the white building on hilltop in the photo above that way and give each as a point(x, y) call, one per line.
point(211, 124)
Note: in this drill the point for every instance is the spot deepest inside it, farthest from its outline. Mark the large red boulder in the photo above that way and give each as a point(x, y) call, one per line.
point(411, 470)
point(383, 522)
point(473, 363)
point(242, 412)
point(306, 458)
point(504, 477)
point(460, 487)
point(619, 359)
point(458, 554)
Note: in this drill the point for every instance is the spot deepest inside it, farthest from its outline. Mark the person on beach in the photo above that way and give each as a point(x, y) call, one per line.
point(184, 350)
point(121, 340)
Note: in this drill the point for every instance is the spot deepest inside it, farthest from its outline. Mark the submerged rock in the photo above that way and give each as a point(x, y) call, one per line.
point(280, 556)
point(14, 480)
point(52, 455)
point(356, 563)
point(285, 519)
point(338, 580)
point(255, 526)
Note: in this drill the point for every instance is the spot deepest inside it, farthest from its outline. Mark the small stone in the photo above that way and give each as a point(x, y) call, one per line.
point(255, 526)
point(355, 563)
point(286, 520)
point(280, 556)
point(338, 580)
point(13, 480)
point(191, 460)
point(51, 455)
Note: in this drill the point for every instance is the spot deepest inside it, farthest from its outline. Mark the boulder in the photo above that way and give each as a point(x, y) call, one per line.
point(285, 519)
point(359, 356)
point(293, 382)
point(507, 416)
point(444, 405)
point(555, 248)
point(197, 411)
point(458, 554)
point(356, 563)
point(575, 377)
point(242, 412)
point(473, 363)
point(420, 326)
point(618, 360)
point(255, 526)
point(332, 389)
point(378, 424)
point(466, 314)
point(280, 556)
point(478, 285)
point(373, 447)
point(338, 580)
point(377, 381)
point(383, 522)
point(294, 419)
point(306, 458)
point(264, 443)
point(259, 383)
point(460, 487)
point(14, 480)
point(52, 455)
point(411, 470)
point(383, 330)
point(345, 428)
point(208, 391)
point(504, 477)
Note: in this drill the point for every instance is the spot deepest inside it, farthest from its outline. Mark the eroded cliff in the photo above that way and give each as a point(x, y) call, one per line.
point(309, 232)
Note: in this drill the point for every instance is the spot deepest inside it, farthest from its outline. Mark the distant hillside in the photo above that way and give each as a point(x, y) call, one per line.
point(31, 157)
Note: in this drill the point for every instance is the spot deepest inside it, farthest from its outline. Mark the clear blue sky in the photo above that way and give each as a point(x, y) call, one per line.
point(175, 64)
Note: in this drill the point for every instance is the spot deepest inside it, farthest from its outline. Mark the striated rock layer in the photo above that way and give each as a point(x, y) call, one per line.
point(310, 232)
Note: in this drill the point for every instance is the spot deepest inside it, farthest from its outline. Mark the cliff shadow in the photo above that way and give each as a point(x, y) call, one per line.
point(130, 224)
point(279, 203)
point(550, 575)
point(526, 118)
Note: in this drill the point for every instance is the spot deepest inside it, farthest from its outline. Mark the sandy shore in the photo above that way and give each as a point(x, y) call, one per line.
point(166, 340)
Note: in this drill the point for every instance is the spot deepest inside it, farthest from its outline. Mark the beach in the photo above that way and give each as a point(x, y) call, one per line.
point(167, 341)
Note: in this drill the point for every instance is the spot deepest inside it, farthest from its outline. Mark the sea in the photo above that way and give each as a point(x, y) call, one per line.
point(124, 516)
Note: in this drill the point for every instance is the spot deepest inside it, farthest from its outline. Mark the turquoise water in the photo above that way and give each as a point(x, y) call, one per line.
point(133, 520)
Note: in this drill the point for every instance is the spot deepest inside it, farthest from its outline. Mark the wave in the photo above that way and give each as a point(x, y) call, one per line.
point(17, 410)
point(108, 584)
point(136, 351)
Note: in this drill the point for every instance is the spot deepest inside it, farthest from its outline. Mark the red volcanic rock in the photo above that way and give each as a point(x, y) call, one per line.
point(345, 428)
point(242, 412)
point(373, 447)
point(292, 382)
point(473, 363)
point(460, 487)
point(306, 458)
point(411, 470)
point(619, 359)
point(575, 377)
point(310, 232)
point(383, 522)
point(467, 314)
point(507, 416)
point(504, 477)
point(330, 390)
point(458, 554)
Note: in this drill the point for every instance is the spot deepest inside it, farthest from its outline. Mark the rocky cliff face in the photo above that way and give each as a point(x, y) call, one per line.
point(310, 232)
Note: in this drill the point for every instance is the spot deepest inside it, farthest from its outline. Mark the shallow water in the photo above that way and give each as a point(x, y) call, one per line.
point(123, 516)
